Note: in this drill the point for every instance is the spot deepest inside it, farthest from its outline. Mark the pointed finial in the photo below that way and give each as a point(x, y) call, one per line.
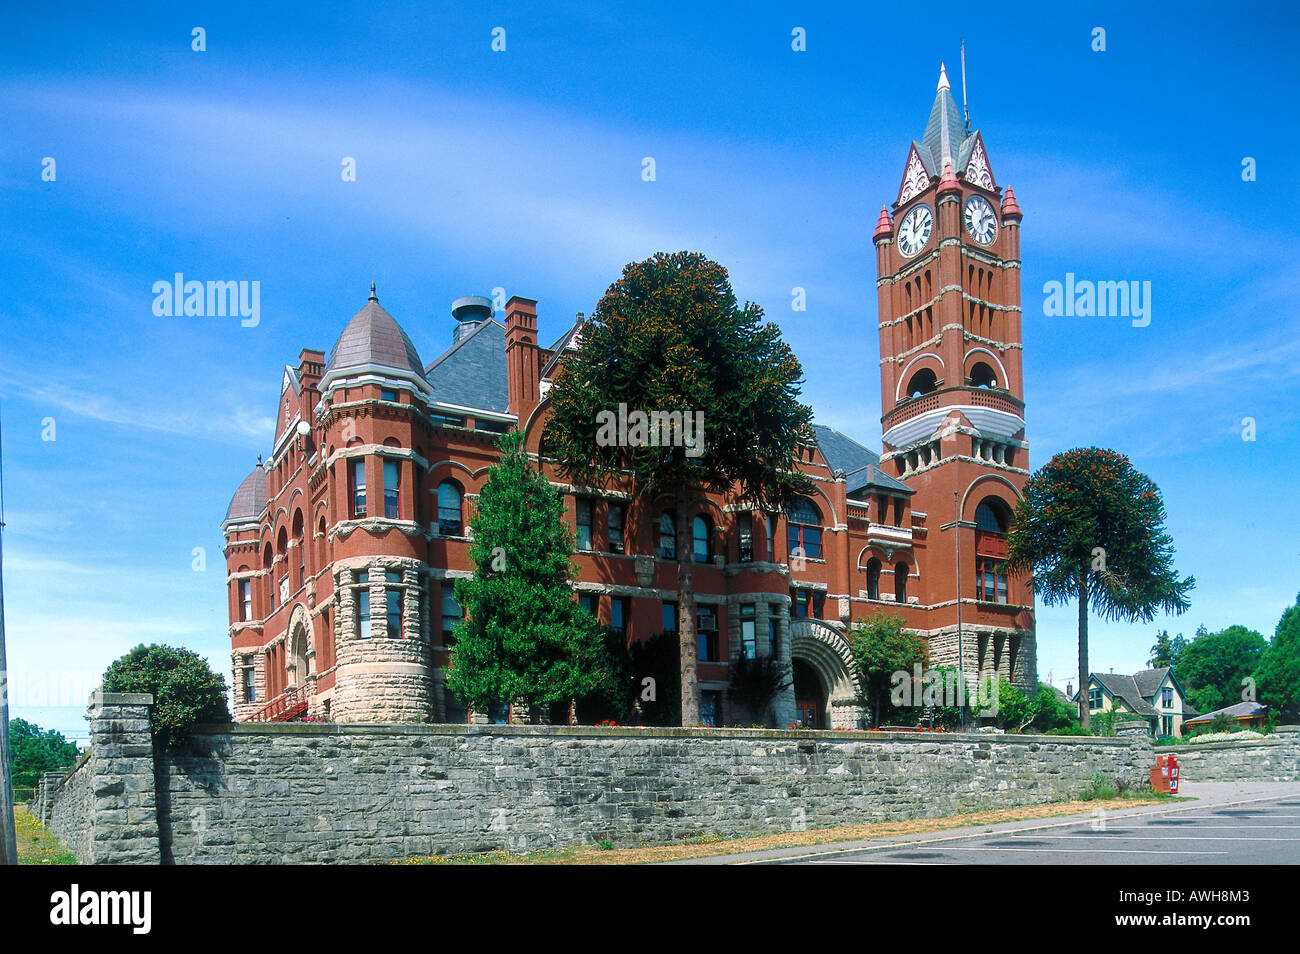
point(373, 296)
point(1010, 207)
point(884, 225)
point(943, 79)
point(259, 460)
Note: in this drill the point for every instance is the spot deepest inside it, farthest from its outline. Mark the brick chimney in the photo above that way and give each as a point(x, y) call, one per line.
point(523, 361)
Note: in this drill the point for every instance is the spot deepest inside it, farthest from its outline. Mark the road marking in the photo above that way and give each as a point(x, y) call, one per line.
point(1171, 837)
point(1066, 851)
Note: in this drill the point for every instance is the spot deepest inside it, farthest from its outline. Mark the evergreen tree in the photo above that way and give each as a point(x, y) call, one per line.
point(524, 638)
point(1090, 527)
point(1167, 651)
point(670, 337)
point(1278, 678)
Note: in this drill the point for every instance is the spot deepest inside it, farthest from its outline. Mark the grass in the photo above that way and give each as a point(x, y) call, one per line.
point(36, 846)
point(706, 846)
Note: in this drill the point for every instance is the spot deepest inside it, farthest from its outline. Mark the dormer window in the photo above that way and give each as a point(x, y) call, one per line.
point(388, 394)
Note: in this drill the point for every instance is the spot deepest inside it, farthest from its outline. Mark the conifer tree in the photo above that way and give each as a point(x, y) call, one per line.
point(524, 638)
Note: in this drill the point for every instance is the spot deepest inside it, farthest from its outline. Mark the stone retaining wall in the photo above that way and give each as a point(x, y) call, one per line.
point(1274, 758)
point(257, 793)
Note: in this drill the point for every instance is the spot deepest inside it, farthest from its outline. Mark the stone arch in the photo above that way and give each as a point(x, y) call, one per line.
point(997, 479)
point(299, 650)
point(824, 648)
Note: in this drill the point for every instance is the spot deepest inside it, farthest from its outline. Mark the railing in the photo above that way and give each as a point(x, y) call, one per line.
point(283, 707)
point(980, 397)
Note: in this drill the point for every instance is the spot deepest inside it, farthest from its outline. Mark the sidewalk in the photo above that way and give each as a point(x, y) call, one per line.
point(1206, 795)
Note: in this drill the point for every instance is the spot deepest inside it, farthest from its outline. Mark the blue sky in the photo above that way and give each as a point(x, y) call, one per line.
point(522, 170)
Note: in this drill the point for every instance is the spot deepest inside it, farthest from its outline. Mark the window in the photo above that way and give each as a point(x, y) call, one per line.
point(923, 382)
point(1167, 698)
point(450, 522)
point(982, 376)
point(451, 614)
point(393, 601)
point(991, 582)
point(700, 538)
point(363, 605)
point(615, 528)
point(706, 635)
point(710, 707)
point(771, 538)
point(495, 427)
point(588, 603)
point(387, 394)
point(667, 537)
point(358, 467)
point(583, 508)
point(900, 583)
point(245, 599)
point(771, 630)
point(803, 523)
point(1094, 698)
point(1166, 725)
point(873, 579)
point(618, 615)
point(898, 511)
point(392, 481)
point(446, 420)
point(748, 638)
point(249, 676)
point(499, 714)
point(670, 617)
point(988, 519)
point(807, 603)
point(745, 532)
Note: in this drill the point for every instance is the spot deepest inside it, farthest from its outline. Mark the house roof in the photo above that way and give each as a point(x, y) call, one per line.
point(1125, 688)
point(860, 464)
point(373, 337)
point(472, 372)
point(1242, 710)
point(250, 499)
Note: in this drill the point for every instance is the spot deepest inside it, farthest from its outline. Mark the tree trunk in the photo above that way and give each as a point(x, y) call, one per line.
point(686, 610)
point(1085, 716)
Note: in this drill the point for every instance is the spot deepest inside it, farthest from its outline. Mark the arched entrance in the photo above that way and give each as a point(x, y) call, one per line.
point(830, 682)
point(809, 696)
point(299, 657)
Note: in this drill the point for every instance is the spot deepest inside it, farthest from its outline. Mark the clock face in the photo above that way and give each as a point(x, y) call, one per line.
point(915, 230)
point(981, 222)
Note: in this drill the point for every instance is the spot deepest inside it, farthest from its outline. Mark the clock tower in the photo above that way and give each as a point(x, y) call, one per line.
point(952, 390)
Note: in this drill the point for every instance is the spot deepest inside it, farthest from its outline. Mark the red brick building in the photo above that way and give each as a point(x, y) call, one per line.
point(341, 550)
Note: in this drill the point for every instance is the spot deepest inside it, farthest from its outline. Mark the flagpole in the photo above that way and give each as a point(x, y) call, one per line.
point(8, 841)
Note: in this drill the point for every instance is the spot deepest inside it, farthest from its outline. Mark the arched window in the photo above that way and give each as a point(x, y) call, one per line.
point(989, 518)
point(923, 382)
point(451, 519)
point(700, 539)
point(667, 537)
point(322, 551)
point(300, 546)
point(873, 579)
point(900, 583)
point(282, 554)
point(982, 376)
point(804, 527)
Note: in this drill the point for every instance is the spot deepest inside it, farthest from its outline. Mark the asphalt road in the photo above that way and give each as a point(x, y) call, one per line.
point(1259, 832)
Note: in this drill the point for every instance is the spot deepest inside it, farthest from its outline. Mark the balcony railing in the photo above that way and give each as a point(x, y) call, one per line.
point(980, 397)
point(286, 706)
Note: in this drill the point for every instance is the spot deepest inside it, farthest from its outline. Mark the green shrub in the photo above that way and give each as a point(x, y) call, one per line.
point(1100, 788)
point(186, 692)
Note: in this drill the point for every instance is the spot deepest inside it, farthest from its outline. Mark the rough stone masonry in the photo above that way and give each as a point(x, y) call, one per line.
point(289, 793)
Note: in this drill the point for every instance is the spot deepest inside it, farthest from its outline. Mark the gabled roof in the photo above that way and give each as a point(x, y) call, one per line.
point(373, 337)
point(861, 465)
point(472, 372)
point(250, 499)
point(1125, 688)
point(571, 340)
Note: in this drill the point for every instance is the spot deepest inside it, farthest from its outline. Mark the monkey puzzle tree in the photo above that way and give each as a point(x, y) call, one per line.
point(1090, 527)
point(524, 638)
point(669, 338)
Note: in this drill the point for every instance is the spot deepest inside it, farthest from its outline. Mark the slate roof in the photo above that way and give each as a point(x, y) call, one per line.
point(1242, 710)
point(861, 465)
point(374, 337)
point(1126, 688)
point(249, 500)
point(945, 114)
point(472, 372)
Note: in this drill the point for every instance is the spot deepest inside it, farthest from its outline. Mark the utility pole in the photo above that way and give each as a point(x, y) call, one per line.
point(961, 649)
point(8, 841)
